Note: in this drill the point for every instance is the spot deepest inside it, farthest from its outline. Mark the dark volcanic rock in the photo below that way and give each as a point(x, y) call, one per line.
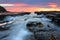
point(2, 9)
point(2, 17)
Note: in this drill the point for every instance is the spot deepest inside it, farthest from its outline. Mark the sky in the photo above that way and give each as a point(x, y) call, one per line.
point(30, 5)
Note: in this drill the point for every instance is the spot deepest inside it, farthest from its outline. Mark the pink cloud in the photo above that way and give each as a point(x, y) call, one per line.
point(53, 5)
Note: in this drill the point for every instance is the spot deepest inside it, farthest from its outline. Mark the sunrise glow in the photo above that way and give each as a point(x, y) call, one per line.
point(32, 9)
point(22, 7)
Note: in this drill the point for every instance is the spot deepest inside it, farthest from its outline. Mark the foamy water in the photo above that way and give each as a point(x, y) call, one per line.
point(19, 30)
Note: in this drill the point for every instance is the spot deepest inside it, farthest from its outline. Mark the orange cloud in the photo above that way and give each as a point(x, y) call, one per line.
point(53, 5)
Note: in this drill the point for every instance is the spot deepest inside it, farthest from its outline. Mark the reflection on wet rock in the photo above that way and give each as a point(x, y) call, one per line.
point(52, 37)
point(4, 25)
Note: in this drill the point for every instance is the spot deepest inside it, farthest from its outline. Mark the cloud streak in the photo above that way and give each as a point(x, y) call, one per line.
point(6, 5)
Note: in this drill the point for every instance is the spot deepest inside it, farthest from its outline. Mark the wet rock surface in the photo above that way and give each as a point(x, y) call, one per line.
point(42, 34)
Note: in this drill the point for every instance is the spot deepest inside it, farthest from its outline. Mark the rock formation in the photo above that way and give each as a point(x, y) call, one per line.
point(2, 9)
